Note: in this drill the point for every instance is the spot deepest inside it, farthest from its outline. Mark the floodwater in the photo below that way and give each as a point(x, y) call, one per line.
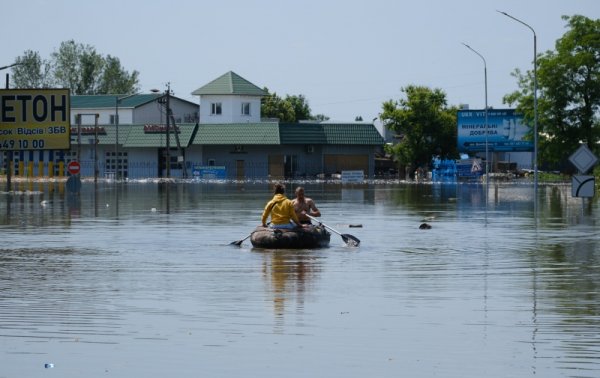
point(140, 280)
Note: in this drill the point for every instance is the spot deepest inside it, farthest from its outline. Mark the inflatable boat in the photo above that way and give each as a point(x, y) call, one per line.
point(298, 238)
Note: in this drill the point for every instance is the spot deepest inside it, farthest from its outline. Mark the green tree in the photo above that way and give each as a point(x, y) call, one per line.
point(300, 106)
point(115, 79)
point(569, 92)
point(77, 67)
point(274, 106)
point(426, 125)
point(292, 108)
point(319, 117)
point(32, 71)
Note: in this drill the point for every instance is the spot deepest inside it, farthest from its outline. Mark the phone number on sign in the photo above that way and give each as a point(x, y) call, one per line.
point(22, 138)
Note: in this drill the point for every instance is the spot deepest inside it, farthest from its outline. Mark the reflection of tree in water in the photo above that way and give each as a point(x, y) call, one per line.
point(288, 274)
point(568, 285)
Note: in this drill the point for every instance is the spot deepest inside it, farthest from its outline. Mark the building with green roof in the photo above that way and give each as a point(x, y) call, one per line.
point(228, 135)
point(229, 99)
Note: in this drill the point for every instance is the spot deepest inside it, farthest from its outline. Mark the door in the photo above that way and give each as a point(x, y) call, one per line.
point(240, 174)
point(276, 166)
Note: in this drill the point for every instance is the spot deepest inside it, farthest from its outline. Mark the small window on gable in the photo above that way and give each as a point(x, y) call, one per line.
point(245, 108)
point(216, 108)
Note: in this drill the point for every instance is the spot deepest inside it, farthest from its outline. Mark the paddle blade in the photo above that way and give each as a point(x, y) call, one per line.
point(350, 240)
point(238, 242)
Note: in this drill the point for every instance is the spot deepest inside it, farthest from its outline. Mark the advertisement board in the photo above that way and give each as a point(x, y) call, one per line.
point(209, 172)
point(35, 119)
point(505, 131)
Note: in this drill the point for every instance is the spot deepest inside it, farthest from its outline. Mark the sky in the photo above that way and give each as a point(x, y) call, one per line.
point(346, 57)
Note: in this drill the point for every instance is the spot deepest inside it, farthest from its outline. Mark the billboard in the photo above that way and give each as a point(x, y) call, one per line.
point(210, 172)
point(35, 119)
point(505, 131)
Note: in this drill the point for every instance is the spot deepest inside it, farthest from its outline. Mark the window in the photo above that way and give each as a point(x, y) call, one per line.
point(113, 117)
point(245, 108)
point(211, 162)
point(215, 108)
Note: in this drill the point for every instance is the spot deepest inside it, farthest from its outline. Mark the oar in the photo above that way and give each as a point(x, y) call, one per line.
point(239, 242)
point(350, 240)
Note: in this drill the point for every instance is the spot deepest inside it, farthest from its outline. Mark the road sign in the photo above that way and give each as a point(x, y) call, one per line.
point(583, 186)
point(73, 167)
point(583, 159)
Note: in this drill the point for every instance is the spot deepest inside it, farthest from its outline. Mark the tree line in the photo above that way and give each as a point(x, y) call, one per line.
point(84, 71)
point(77, 67)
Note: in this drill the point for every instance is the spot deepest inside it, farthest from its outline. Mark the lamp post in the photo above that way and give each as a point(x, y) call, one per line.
point(535, 111)
point(487, 179)
point(9, 66)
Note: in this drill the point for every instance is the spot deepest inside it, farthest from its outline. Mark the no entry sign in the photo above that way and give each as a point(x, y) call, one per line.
point(73, 167)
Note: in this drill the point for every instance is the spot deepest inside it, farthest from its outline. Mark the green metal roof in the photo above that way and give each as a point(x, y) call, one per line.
point(273, 133)
point(109, 101)
point(134, 136)
point(238, 133)
point(302, 133)
point(330, 133)
point(230, 84)
point(352, 133)
point(264, 133)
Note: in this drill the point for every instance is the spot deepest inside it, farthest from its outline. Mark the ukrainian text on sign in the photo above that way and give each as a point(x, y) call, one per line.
point(35, 119)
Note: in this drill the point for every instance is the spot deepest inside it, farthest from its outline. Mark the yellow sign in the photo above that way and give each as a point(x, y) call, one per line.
point(35, 119)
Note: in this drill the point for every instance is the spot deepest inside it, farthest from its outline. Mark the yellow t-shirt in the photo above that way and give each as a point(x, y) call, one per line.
point(281, 210)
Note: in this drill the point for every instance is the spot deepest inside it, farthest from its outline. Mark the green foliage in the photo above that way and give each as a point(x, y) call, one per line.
point(300, 106)
point(32, 71)
point(290, 109)
point(77, 67)
point(274, 106)
point(426, 125)
point(115, 79)
point(319, 117)
point(569, 92)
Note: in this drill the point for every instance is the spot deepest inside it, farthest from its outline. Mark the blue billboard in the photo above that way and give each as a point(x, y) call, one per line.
point(505, 131)
point(210, 172)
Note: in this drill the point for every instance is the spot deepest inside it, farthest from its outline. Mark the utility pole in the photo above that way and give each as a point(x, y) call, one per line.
point(9, 154)
point(168, 133)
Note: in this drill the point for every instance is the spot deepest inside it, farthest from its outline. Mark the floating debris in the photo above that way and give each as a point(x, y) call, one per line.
point(424, 226)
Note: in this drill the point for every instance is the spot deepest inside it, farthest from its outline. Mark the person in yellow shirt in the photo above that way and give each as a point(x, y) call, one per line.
point(281, 210)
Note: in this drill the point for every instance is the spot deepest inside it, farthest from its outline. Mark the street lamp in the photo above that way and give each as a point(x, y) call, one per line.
point(9, 66)
point(487, 178)
point(535, 112)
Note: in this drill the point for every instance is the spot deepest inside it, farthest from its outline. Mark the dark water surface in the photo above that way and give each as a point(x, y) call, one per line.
point(139, 280)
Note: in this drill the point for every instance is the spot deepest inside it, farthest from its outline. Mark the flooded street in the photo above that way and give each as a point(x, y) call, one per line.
point(140, 280)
